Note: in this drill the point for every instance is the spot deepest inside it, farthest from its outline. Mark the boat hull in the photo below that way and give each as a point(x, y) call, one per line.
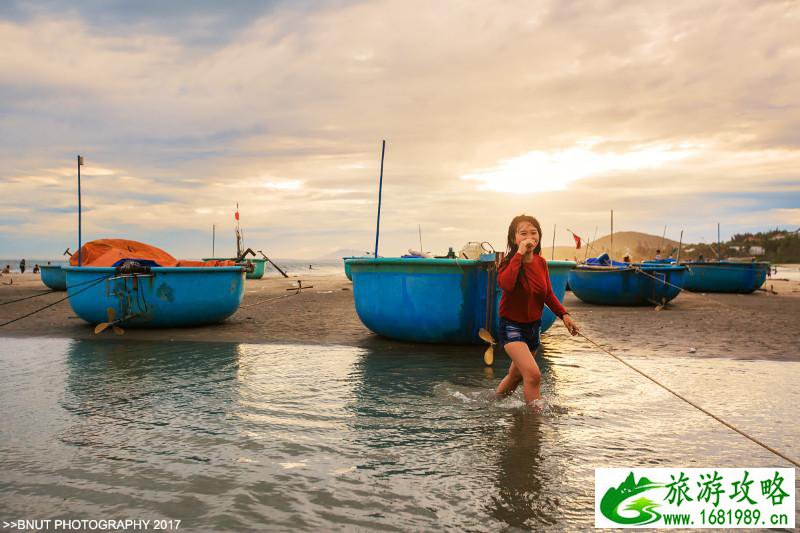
point(164, 297)
point(742, 278)
point(433, 300)
point(54, 277)
point(627, 286)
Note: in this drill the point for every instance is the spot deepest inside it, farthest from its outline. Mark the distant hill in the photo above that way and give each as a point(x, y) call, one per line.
point(638, 245)
point(338, 254)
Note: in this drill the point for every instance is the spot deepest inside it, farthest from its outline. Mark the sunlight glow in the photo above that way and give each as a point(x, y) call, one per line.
point(554, 171)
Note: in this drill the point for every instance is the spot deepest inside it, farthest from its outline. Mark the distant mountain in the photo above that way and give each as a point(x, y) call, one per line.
point(638, 245)
point(341, 252)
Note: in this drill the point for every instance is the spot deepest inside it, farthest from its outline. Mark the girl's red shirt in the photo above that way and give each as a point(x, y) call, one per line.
point(526, 290)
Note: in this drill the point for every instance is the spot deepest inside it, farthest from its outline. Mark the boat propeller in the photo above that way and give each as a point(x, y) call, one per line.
point(488, 355)
point(111, 322)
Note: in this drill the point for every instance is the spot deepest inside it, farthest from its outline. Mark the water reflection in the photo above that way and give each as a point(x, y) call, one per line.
point(385, 436)
point(439, 402)
point(524, 496)
point(127, 398)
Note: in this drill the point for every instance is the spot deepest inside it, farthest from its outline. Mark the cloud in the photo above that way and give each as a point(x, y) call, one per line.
point(656, 110)
point(554, 171)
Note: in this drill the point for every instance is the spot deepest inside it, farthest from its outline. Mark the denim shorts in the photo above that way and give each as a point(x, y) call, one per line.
point(528, 333)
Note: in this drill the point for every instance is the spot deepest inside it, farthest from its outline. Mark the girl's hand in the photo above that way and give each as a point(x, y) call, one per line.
point(526, 246)
point(570, 324)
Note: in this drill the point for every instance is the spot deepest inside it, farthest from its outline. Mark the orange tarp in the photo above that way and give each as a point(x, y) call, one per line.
point(112, 252)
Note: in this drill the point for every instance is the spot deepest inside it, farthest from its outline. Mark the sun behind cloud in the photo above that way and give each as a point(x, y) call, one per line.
point(540, 171)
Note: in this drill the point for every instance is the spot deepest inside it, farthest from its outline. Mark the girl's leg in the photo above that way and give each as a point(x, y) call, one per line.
point(510, 382)
point(526, 366)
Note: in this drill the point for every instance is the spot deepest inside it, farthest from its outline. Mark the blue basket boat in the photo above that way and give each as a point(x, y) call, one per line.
point(725, 276)
point(157, 296)
point(645, 284)
point(54, 277)
point(435, 300)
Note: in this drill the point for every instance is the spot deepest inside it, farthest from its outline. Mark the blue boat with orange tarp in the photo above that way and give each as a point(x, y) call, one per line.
point(132, 284)
point(435, 300)
point(725, 276)
point(605, 282)
point(54, 277)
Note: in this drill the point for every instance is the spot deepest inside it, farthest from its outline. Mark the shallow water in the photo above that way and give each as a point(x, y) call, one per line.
point(238, 436)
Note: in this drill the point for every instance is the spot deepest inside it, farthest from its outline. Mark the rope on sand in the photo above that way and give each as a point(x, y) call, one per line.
point(94, 282)
point(267, 300)
point(27, 297)
point(699, 408)
point(49, 291)
point(681, 289)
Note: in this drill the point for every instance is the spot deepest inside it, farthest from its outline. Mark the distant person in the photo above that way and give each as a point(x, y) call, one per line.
point(36, 269)
point(7, 269)
point(310, 267)
point(626, 259)
point(525, 281)
point(22, 266)
point(658, 255)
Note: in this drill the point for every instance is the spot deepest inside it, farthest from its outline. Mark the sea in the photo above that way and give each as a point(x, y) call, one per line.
point(397, 437)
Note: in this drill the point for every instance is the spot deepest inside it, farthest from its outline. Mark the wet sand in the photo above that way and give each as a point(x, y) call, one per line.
point(760, 325)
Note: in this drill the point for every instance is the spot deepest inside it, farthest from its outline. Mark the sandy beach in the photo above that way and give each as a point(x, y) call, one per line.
point(759, 325)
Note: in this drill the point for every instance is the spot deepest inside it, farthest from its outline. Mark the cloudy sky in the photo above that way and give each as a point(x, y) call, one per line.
point(680, 113)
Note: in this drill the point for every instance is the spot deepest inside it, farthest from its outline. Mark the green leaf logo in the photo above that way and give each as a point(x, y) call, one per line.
point(645, 508)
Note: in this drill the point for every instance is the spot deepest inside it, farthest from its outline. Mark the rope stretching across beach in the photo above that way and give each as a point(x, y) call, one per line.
point(91, 283)
point(693, 404)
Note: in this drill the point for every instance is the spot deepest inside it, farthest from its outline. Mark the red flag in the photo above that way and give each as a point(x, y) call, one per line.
point(577, 241)
point(236, 216)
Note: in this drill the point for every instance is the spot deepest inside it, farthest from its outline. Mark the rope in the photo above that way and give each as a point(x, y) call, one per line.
point(96, 281)
point(717, 266)
point(664, 281)
point(46, 292)
point(708, 298)
point(268, 300)
point(27, 297)
point(699, 408)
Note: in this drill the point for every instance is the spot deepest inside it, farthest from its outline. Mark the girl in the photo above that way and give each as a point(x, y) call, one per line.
point(526, 288)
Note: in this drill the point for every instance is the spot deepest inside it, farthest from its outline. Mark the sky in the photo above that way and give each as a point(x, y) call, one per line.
point(681, 114)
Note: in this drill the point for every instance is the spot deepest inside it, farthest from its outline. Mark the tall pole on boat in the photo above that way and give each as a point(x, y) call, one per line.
point(586, 251)
point(611, 249)
point(553, 250)
point(680, 245)
point(238, 233)
point(213, 239)
point(380, 190)
point(420, 238)
point(80, 236)
point(719, 248)
point(663, 235)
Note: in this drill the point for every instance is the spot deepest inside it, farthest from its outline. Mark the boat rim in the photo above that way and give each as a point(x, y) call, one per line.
point(632, 268)
point(726, 263)
point(435, 261)
point(186, 270)
point(253, 259)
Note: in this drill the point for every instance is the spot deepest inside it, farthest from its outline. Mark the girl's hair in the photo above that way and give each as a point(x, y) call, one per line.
point(511, 245)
